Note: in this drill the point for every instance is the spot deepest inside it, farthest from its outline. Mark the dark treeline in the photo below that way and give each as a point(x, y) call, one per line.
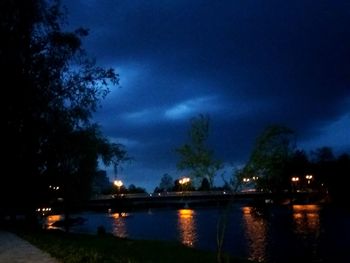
point(50, 90)
point(275, 164)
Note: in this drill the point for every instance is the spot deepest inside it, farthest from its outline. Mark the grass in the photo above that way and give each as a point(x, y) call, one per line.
point(74, 248)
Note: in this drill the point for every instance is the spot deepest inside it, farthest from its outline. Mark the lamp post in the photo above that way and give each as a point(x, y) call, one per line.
point(308, 177)
point(295, 181)
point(184, 181)
point(118, 184)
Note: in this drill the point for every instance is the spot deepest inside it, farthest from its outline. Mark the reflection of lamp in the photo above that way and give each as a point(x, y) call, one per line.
point(187, 226)
point(306, 219)
point(256, 234)
point(119, 224)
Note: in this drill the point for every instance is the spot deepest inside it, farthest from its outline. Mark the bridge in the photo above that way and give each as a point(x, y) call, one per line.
point(195, 199)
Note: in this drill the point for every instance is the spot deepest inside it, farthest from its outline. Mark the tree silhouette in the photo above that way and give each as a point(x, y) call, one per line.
point(195, 156)
point(51, 92)
point(269, 158)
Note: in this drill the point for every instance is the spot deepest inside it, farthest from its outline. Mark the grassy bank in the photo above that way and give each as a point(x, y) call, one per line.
point(74, 248)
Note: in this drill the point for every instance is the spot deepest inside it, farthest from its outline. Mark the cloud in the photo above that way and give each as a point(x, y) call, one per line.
point(246, 63)
point(192, 107)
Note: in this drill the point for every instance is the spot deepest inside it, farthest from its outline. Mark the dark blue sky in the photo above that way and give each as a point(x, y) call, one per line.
point(246, 63)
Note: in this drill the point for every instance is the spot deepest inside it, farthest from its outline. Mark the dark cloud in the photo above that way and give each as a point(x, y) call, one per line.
point(246, 63)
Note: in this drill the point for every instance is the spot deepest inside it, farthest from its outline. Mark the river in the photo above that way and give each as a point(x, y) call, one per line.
point(306, 233)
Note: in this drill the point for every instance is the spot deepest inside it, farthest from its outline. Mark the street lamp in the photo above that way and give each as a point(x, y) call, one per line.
point(308, 177)
point(294, 180)
point(118, 184)
point(183, 181)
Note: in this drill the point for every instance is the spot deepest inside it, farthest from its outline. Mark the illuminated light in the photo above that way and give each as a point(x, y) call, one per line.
point(118, 183)
point(308, 178)
point(184, 180)
point(295, 179)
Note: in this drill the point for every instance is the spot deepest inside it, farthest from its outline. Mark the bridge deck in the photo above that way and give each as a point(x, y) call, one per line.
point(193, 199)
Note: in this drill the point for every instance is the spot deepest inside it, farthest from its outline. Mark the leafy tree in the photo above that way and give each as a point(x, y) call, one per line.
point(299, 165)
point(53, 89)
point(135, 190)
point(323, 155)
point(324, 168)
point(270, 157)
point(205, 185)
point(195, 156)
point(331, 173)
point(166, 183)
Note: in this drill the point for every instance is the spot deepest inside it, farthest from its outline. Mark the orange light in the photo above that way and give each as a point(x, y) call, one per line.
point(118, 183)
point(184, 180)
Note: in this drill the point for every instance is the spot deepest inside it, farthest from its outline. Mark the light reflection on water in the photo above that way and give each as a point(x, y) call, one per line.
point(48, 223)
point(306, 219)
point(278, 234)
point(119, 224)
point(256, 233)
point(187, 227)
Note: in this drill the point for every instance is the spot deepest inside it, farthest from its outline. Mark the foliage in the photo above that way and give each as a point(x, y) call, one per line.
point(52, 90)
point(205, 185)
point(331, 173)
point(166, 183)
point(195, 156)
point(270, 157)
point(135, 190)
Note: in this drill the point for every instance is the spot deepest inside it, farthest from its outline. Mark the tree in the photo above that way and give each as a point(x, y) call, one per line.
point(270, 157)
point(53, 89)
point(136, 190)
point(166, 183)
point(205, 185)
point(195, 156)
point(323, 155)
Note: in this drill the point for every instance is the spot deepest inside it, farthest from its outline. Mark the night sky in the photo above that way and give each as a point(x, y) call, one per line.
point(247, 64)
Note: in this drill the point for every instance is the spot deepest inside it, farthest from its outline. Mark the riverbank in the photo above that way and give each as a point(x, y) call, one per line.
point(68, 247)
